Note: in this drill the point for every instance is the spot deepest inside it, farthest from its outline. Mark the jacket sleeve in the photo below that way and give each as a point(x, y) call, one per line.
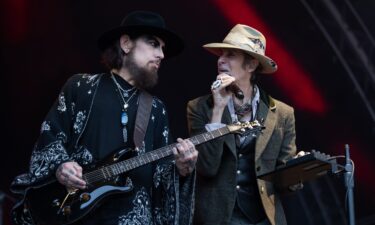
point(50, 150)
point(173, 196)
point(210, 153)
point(60, 129)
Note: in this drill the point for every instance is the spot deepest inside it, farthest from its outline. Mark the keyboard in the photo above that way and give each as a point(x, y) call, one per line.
point(301, 169)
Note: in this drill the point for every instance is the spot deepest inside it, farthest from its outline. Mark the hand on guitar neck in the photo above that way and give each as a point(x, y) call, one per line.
point(185, 155)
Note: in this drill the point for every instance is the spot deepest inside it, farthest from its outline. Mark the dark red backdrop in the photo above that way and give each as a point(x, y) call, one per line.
point(45, 42)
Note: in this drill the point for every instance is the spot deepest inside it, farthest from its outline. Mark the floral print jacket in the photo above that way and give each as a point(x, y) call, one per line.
point(59, 142)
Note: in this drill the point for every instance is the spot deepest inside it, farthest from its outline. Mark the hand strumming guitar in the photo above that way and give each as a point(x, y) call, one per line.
point(70, 175)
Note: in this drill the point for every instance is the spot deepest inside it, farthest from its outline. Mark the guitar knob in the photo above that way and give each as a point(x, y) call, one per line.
point(85, 197)
point(66, 211)
point(56, 203)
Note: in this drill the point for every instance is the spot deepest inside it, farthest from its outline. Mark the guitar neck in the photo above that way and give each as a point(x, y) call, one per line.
point(110, 171)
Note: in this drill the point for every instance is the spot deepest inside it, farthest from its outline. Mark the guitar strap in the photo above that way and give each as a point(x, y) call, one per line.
point(142, 118)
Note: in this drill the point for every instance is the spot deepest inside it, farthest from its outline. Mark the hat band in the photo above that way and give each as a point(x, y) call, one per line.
point(252, 45)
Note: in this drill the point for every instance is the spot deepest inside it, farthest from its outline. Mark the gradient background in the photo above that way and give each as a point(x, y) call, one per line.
point(45, 42)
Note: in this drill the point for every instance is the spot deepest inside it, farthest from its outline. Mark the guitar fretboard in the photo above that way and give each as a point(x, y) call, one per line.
point(108, 172)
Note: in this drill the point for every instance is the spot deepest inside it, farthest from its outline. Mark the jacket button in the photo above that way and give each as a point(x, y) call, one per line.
point(238, 171)
point(258, 168)
point(262, 189)
point(238, 187)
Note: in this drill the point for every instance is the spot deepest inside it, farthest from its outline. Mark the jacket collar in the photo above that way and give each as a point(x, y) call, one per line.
point(266, 115)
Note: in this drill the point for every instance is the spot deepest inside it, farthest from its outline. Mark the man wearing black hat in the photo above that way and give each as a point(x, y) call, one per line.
point(94, 116)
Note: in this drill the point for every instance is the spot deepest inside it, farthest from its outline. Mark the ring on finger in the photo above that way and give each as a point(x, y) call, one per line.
point(216, 84)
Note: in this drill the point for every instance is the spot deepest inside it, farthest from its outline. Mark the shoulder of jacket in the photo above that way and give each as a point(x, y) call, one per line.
point(273, 103)
point(281, 105)
point(200, 100)
point(88, 77)
point(157, 101)
point(83, 80)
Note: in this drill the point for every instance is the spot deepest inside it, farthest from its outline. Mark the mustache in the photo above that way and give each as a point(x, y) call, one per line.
point(158, 62)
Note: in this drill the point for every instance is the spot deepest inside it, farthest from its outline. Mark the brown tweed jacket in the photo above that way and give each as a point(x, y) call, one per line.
point(217, 160)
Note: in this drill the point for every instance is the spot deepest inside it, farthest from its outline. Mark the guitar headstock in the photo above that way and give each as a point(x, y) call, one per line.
point(245, 127)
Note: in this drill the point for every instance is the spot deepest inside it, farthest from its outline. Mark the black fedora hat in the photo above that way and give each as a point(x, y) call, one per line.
point(144, 22)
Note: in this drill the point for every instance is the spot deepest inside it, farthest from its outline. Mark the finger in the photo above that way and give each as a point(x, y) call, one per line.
point(189, 143)
point(226, 79)
point(301, 153)
point(69, 177)
point(220, 82)
point(223, 76)
point(76, 182)
point(215, 85)
point(181, 146)
point(78, 169)
point(175, 152)
point(74, 185)
point(73, 181)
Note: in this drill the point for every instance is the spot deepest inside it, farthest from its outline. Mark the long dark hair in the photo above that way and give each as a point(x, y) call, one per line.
point(254, 75)
point(113, 56)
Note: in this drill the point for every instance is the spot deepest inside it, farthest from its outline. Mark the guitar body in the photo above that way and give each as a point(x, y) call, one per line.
point(52, 203)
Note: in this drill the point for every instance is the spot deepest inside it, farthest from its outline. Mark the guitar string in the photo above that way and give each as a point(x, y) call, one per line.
point(99, 175)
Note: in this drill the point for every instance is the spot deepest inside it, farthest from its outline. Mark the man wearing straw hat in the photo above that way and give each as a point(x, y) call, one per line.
point(227, 190)
point(95, 115)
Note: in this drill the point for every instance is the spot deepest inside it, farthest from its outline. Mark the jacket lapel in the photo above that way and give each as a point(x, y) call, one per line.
point(230, 140)
point(266, 113)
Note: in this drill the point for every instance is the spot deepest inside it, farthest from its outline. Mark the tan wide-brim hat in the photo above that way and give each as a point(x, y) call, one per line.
point(249, 40)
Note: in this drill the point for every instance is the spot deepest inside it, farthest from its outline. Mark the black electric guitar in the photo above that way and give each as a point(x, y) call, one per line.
point(52, 203)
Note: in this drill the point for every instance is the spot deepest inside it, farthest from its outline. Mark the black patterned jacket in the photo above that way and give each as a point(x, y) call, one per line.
point(59, 142)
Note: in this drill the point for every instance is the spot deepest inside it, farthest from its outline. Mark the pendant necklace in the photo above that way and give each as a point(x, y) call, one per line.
point(124, 114)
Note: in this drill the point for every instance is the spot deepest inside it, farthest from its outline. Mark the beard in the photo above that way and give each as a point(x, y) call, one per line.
point(143, 79)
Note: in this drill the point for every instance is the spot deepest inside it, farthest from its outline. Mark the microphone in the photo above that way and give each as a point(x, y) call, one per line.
point(235, 90)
